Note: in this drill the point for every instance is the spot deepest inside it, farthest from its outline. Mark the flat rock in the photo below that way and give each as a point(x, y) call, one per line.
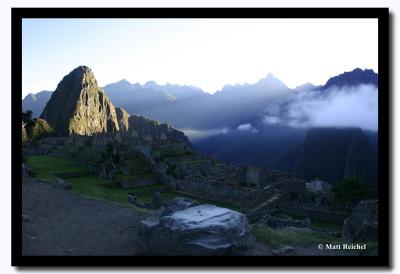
point(186, 228)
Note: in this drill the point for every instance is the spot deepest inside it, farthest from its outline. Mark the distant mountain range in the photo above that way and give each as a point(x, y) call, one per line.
point(190, 107)
point(353, 78)
point(265, 123)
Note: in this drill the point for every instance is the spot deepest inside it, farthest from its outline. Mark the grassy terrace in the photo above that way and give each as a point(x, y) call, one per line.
point(45, 168)
point(132, 177)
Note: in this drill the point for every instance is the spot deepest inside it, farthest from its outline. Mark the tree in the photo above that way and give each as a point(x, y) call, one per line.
point(350, 191)
point(27, 117)
point(37, 129)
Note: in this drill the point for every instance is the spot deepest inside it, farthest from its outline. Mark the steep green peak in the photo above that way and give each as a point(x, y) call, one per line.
point(80, 77)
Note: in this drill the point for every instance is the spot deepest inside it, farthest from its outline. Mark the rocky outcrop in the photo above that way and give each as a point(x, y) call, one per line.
point(123, 119)
point(153, 130)
point(362, 225)
point(79, 107)
point(186, 228)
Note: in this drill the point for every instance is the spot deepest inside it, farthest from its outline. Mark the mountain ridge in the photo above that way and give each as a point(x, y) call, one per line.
point(185, 106)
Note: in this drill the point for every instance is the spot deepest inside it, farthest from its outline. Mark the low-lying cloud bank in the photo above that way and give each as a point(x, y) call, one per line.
point(195, 135)
point(346, 107)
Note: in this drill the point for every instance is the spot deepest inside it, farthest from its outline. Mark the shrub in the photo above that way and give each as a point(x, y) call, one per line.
point(350, 191)
point(38, 129)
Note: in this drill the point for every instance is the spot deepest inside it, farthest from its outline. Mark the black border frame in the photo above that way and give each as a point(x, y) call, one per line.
point(382, 14)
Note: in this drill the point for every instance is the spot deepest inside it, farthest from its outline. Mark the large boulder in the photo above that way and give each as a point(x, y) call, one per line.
point(187, 228)
point(362, 225)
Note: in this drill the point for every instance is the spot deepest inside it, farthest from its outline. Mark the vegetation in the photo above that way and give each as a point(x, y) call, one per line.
point(27, 117)
point(33, 128)
point(139, 165)
point(277, 238)
point(45, 167)
point(24, 134)
point(280, 237)
point(350, 191)
point(326, 225)
point(99, 188)
point(133, 177)
point(314, 223)
point(170, 153)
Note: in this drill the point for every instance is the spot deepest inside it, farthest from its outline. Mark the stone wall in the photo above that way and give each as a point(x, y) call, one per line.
point(242, 197)
point(325, 215)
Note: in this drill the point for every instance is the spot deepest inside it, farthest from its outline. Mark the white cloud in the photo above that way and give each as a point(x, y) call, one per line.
point(345, 107)
point(247, 128)
point(196, 135)
point(271, 120)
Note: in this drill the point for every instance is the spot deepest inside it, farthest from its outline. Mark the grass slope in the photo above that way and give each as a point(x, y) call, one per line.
point(46, 166)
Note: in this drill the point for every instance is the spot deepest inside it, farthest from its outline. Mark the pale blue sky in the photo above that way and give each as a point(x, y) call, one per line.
point(207, 53)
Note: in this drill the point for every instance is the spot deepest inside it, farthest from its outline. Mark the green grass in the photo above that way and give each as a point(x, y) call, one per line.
point(326, 225)
point(133, 177)
point(279, 237)
point(281, 214)
point(98, 188)
point(314, 223)
point(138, 163)
point(170, 153)
point(193, 162)
point(45, 166)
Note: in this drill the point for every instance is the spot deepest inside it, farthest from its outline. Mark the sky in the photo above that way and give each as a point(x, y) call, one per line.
point(207, 53)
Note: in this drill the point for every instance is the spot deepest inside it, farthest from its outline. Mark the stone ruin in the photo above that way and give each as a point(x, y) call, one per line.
point(362, 225)
point(133, 162)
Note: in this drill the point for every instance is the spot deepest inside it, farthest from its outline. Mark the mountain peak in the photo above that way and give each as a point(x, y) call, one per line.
point(305, 87)
point(353, 78)
point(269, 77)
point(124, 81)
point(271, 81)
point(81, 76)
point(79, 107)
point(151, 84)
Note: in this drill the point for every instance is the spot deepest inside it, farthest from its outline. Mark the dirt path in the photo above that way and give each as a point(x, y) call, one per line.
point(59, 222)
